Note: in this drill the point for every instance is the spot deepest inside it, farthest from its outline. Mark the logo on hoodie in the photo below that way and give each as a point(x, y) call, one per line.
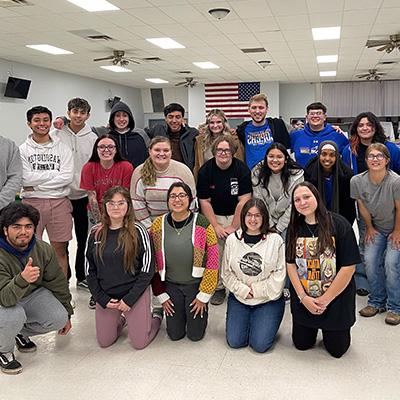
point(45, 162)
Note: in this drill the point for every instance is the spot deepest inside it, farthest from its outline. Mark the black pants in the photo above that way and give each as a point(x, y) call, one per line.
point(336, 342)
point(81, 226)
point(182, 321)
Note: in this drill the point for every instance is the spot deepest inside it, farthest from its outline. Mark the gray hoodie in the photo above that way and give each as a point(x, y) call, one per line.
point(10, 171)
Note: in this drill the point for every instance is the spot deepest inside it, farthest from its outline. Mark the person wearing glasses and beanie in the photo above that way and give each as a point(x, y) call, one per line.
point(223, 186)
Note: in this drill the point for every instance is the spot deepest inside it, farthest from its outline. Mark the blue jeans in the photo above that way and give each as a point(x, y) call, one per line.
point(254, 326)
point(383, 272)
point(361, 276)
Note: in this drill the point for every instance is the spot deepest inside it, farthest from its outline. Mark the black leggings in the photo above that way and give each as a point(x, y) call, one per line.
point(336, 342)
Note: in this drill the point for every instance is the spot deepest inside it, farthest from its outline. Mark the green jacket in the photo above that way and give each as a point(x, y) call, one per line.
point(14, 288)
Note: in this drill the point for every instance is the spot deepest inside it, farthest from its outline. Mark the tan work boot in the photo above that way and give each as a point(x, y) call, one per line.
point(392, 318)
point(370, 311)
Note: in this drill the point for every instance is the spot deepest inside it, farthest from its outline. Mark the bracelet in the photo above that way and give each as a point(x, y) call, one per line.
point(301, 297)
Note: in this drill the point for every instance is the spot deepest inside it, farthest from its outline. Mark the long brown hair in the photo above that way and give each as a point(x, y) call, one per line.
point(148, 172)
point(127, 237)
point(324, 220)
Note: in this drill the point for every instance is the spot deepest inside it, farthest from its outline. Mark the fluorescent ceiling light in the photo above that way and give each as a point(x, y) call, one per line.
point(115, 68)
point(206, 65)
point(94, 5)
point(332, 32)
point(327, 59)
point(46, 48)
point(156, 80)
point(327, 73)
point(166, 43)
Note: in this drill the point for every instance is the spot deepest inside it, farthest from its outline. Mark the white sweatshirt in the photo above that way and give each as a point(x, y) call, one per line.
point(81, 145)
point(48, 168)
point(260, 267)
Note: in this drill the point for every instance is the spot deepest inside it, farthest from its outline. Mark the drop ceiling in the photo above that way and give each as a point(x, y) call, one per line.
point(281, 27)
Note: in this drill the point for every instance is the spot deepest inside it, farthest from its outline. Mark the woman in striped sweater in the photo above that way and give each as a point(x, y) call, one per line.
point(151, 180)
point(186, 253)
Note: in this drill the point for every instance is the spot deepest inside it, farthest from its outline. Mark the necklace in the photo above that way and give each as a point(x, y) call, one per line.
point(312, 231)
point(179, 231)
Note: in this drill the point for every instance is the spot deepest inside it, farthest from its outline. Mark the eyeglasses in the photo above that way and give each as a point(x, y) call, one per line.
point(316, 113)
point(104, 147)
point(180, 196)
point(256, 216)
point(118, 204)
point(223, 151)
point(372, 157)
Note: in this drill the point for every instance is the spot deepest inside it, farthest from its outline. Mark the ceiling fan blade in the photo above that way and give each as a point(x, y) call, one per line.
point(132, 60)
point(103, 58)
point(376, 43)
point(181, 84)
point(385, 48)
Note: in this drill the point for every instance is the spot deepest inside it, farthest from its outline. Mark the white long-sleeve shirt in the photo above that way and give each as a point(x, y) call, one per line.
point(260, 267)
point(48, 168)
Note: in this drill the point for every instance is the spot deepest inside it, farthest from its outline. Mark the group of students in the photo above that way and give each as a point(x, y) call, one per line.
point(201, 213)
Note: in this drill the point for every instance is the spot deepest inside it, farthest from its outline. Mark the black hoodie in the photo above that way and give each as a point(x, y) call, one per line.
point(131, 144)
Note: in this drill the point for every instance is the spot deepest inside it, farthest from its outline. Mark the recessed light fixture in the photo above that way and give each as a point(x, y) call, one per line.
point(327, 59)
point(206, 65)
point(156, 80)
point(332, 32)
point(47, 48)
point(327, 73)
point(166, 43)
point(115, 68)
point(94, 5)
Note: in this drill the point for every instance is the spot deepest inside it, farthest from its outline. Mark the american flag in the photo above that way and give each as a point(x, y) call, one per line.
point(232, 98)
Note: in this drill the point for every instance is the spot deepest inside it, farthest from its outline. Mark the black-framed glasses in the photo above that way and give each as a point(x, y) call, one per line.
point(180, 196)
point(223, 151)
point(104, 147)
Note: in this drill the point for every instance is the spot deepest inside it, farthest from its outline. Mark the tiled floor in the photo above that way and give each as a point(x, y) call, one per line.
point(74, 367)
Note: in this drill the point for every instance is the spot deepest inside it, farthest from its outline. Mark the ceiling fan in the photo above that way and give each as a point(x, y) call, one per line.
point(118, 58)
point(372, 75)
point(188, 82)
point(387, 45)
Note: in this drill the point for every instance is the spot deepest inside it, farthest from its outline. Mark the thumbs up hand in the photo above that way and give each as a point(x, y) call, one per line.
point(30, 273)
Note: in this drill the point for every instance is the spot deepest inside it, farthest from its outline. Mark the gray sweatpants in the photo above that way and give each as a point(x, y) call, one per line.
point(38, 313)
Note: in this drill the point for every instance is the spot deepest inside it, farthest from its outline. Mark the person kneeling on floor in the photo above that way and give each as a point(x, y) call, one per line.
point(34, 294)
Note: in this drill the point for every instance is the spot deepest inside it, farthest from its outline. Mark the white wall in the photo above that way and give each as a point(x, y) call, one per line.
point(53, 89)
point(295, 97)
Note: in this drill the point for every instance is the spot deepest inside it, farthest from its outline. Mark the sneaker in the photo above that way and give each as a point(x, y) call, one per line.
point(9, 365)
point(158, 313)
point(24, 344)
point(82, 285)
point(370, 311)
point(392, 318)
point(362, 292)
point(92, 303)
point(218, 297)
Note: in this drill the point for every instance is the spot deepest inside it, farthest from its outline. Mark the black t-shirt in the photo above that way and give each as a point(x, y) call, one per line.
point(223, 186)
point(251, 240)
point(316, 273)
point(361, 164)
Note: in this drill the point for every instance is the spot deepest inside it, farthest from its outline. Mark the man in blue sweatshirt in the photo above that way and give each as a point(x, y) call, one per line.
point(305, 142)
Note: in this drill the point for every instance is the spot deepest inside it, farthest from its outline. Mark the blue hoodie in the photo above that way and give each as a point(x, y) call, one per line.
point(305, 142)
point(351, 159)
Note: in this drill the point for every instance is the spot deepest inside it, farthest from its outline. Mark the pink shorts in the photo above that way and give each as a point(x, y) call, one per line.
point(55, 217)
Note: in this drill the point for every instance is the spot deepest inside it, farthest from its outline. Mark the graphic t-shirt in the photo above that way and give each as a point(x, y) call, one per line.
point(317, 272)
point(223, 186)
point(95, 177)
point(257, 141)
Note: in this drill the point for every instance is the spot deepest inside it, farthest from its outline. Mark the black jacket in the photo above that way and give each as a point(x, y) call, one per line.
point(187, 141)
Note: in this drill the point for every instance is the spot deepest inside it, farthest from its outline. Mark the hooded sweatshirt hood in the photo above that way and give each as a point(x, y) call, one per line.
point(121, 106)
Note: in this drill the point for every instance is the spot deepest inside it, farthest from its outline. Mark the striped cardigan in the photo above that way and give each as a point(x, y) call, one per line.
point(205, 256)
